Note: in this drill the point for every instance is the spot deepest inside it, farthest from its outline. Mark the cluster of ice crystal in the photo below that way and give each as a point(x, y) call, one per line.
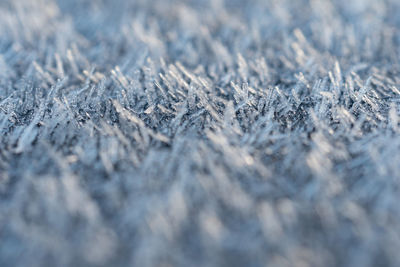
point(199, 133)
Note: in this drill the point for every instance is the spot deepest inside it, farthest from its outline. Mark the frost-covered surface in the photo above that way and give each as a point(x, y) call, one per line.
point(199, 133)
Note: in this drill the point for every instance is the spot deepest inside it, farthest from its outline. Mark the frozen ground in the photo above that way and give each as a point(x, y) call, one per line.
point(199, 133)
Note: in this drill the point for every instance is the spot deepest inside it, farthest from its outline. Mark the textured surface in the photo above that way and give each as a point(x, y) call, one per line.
point(199, 133)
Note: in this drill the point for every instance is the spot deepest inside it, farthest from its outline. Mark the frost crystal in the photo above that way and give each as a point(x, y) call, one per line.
point(199, 133)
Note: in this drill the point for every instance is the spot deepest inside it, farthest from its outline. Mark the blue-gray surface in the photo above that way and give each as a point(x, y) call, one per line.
point(199, 133)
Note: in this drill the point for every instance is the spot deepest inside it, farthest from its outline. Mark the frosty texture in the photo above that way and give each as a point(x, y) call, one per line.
point(199, 133)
